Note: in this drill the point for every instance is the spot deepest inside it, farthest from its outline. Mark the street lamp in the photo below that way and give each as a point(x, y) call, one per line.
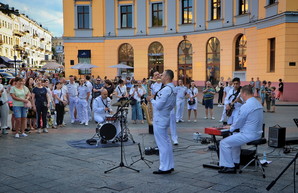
point(15, 61)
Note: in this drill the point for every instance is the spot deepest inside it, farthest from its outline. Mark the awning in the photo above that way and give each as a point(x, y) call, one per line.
point(5, 59)
point(84, 54)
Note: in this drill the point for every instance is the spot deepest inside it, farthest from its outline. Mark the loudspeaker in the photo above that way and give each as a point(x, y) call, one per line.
point(246, 155)
point(151, 129)
point(277, 136)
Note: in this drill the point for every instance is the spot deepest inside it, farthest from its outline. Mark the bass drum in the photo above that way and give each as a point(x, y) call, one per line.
point(107, 131)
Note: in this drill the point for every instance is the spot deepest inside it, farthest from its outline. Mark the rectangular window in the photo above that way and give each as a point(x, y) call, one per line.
point(243, 7)
point(84, 56)
point(157, 15)
point(186, 11)
point(272, 55)
point(83, 17)
point(215, 9)
point(271, 2)
point(126, 16)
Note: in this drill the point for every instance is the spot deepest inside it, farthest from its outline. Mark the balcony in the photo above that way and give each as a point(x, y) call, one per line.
point(41, 39)
point(18, 33)
point(18, 48)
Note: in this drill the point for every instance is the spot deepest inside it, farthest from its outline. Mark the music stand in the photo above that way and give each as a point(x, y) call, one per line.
point(121, 164)
point(142, 158)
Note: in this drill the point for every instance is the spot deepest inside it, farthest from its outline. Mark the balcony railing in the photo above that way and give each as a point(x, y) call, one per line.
point(18, 33)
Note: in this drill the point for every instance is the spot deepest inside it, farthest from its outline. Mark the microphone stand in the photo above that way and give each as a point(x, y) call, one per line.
point(121, 164)
point(274, 181)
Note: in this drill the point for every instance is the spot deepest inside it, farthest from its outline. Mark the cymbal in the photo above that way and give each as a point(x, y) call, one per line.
point(120, 103)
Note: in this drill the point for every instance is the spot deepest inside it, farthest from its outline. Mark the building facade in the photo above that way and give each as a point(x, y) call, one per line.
point(58, 50)
point(198, 39)
point(24, 38)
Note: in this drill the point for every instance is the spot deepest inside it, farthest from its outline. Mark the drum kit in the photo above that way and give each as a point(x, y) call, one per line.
point(110, 129)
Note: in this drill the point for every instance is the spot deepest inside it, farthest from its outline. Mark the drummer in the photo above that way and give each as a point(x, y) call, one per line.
point(102, 106)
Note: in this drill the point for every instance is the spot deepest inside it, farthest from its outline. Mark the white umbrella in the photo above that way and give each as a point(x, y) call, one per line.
point(121, 65)
point(83, 66)
point(52, 65)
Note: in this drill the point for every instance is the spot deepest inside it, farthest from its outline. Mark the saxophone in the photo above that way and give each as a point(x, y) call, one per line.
point(148, 110)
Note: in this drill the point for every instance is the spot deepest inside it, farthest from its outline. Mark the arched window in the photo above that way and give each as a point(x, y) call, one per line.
point(213, 60)
point(240, 53)
point(155, 58)
point(125, 56)
point(185, 61)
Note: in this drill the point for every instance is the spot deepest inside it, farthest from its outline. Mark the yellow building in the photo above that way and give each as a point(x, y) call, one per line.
point(198, 39)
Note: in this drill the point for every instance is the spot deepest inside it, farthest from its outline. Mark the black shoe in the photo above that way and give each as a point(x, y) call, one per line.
point(172, 169)
point(237, 166)
point(162, 172)
point(227, 170)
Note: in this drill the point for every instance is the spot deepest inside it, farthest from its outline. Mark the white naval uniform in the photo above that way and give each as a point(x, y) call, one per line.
point(155, 88)
point(4, 109)
point(250, 121)
point(90, 87)
point(98, 106)
point(192, 92)
point(173, 126)
point(180, 101)
point(226, 101)
point(83, 91)
point(72, 91)
point(237, 106)
point(162, 107)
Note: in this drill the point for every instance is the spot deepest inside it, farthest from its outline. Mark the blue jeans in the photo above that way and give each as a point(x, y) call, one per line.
point(136, 112)
point(20, 112)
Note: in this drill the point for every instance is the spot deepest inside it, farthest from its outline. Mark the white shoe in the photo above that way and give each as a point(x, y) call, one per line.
point(212, 118)
point(86, 124)
point(188, 120)
point(45, 130)
point(177, 121)
point(182, 120)
point(195, 120)
point(24, 135)
point(17, 135)
point(220, 121)
point(175, 143)
point(38, 131)
point(205, 117)
point(81, 123)
point(72, 122)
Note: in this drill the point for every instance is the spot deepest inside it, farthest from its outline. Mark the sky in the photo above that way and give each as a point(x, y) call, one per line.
point(48, 13)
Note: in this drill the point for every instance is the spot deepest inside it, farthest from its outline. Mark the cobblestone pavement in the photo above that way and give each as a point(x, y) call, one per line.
point(46, 163)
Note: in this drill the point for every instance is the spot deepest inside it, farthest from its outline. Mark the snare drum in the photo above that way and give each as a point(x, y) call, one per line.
point(110, 119)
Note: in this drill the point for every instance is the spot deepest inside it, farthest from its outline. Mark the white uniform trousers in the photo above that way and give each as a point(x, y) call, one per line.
point(82, 110)
point(179, 109)
point(223, 115)
point(173, 127)
point(234, 116)
point(100, 118)
point(163, 141)
point(4, 110)
point(230, 148)
point(73, 102)
point(89, 108)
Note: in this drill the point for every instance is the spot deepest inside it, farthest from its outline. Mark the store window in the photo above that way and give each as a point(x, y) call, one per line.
point(157, 14)
point(185, 61)
point(84, 56)
point(243, 7)
point(213, 60)
point(83, 17)
point(240, 53)
point(126, 56)
point(215, 9)
point(155, 58)
point(126, 16)
point(187, 11)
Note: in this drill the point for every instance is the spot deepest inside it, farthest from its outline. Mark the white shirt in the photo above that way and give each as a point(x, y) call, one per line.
point(89, 85)
point(181, 92)
point(229, 98)
point(155, 87)
point(192, 92)
point(135, 94)
point(250, 118)
point(60, 94)
point(83, 91)
point(121, 90)
point(100, 104)
point(3, 97)
point(72, 89)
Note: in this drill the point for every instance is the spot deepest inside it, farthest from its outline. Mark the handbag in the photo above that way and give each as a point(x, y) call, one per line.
point(192, 102)
point(133, 101)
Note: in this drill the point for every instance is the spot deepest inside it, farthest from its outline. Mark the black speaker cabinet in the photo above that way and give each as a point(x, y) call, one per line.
point(277, 136)
point(151, 129)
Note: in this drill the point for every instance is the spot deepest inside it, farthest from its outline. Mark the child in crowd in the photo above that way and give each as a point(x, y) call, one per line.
point(273, 98)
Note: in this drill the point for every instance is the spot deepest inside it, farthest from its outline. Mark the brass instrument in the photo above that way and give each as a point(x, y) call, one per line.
point(148, 110)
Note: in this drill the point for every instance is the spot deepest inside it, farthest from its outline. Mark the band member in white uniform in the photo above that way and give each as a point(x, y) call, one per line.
point(192, 94)
point(233, 97)
point(101, 106)
point(163, 103)
point(84, 94)
point(90, 87)
point(173, 126)
point(4, 109)
point(226, 91)
point(72, 97)
point(180, 101)
point(249, 121)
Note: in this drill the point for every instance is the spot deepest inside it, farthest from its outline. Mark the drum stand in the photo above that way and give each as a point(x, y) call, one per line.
point(142, 158)
point(121, 164)
point(126, 130)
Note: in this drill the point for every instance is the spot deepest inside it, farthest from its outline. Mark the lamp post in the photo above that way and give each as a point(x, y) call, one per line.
point(15, 65)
